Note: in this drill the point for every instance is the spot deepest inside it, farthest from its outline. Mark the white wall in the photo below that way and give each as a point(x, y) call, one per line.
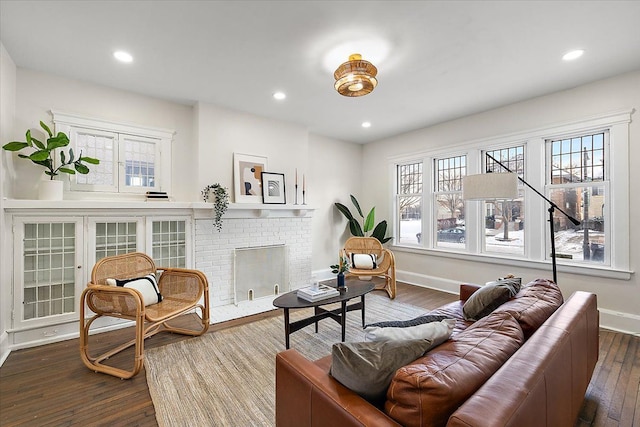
point(336, 173)
point(39, 93)
point(7, 114)
point(222, 132)
point(332, 168)
point(619, 300)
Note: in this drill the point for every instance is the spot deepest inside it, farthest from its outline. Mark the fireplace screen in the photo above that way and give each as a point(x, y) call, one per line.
point(259, 272)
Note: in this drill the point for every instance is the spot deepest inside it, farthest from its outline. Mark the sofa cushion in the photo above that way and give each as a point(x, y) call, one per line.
point(427, 391)
point(367, 367)
point(489, 297)
point(533, 304)
point(435, 331)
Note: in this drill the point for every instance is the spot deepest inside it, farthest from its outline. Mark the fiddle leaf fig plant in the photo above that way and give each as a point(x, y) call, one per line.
point(356, 229)
point(43, 153)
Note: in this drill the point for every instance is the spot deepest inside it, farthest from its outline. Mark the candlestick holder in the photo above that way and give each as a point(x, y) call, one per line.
point(296, 195)
point(304, 201)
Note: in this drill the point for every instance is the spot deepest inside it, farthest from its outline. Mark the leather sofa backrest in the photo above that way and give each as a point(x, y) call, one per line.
point(426, 392)
point(533, 304)
point(533, 389)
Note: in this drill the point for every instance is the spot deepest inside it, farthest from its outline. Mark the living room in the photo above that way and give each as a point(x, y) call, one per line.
point(208, 134)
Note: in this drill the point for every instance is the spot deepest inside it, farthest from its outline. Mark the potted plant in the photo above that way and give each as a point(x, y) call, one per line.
point(340, 269)
point(43, 154)
point(220, 202)
point(356, 229)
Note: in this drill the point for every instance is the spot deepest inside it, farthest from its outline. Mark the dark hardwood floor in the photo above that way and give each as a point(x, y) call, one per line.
point(49, 385)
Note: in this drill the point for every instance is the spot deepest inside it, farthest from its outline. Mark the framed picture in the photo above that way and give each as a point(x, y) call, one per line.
point(247, 177)
point(273, 191)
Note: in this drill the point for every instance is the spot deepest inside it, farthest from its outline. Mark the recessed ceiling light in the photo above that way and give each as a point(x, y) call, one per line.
point(366, 124)
point(574, 54)
point(279, 96)
point(122, 56)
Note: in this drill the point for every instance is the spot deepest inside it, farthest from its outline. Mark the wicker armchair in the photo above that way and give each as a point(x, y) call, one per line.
point(181, 290)
point(386, 266)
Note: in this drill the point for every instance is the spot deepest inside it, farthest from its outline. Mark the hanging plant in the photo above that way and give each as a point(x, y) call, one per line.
point(220, 202)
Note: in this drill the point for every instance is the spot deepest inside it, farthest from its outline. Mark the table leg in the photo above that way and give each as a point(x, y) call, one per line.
point(287, 328)
point(316, 311)
point(343, 318)
point(362, 301)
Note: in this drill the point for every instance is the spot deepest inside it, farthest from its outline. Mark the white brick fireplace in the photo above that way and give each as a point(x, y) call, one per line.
point(247, 226)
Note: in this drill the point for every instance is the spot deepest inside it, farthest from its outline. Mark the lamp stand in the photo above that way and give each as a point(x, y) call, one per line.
point(552, 209)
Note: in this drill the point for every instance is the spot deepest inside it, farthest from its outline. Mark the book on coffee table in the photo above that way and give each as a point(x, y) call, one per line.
point(321, 292)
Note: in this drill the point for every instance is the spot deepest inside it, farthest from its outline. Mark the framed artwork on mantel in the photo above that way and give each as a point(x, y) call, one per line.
point(273, 190)
point(247, 177)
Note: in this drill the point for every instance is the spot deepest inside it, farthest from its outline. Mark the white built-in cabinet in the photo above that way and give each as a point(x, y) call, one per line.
point(55, 250)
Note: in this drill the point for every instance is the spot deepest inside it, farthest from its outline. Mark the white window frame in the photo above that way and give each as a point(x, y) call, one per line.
point(606, 183)
point(69, 123)
point(536, 252)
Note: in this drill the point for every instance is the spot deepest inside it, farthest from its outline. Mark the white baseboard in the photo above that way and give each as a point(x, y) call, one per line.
point(620, 322)
point(4, 347)
point(426, 281)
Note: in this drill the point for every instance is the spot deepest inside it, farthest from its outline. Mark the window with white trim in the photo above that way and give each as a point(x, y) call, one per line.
point(577, 182)
point(409, 202)
point(504, 219)
point(133, 159)
point(448, 203)
point(571, 164)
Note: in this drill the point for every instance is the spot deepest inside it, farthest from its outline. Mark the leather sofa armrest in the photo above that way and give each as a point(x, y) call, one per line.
point(467, 289)
point(307, 395)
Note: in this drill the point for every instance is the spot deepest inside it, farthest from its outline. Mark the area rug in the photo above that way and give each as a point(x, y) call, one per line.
point(227, 377)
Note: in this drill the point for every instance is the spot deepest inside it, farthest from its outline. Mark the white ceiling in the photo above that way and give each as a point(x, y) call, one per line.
point(443, 60)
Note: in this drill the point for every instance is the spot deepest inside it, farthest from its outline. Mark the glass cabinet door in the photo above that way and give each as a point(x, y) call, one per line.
point(48, 273)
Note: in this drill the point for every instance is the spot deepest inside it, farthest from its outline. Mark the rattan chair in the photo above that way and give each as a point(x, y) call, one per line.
point(182, 291)
point(386, 266)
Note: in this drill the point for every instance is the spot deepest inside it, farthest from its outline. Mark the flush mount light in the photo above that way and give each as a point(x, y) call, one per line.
point(356, 77)
point(123, 56)
point(366, 124)
point(574, 54)
point(279, 96)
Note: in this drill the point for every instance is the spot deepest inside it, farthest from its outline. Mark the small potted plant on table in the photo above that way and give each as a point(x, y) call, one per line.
point(340, 269)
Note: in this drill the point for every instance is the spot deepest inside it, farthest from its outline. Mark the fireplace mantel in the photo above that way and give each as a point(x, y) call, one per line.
point(253, 210)
point(200, 210)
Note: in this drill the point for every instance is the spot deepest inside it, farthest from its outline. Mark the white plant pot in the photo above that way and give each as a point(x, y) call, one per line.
point(50, 190)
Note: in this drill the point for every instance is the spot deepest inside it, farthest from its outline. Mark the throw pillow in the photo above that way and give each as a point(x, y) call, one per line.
point(427, 318)
point(438, 332)
point(363, 261)
point(488, 298)
point(147, 286)
point(368, 367)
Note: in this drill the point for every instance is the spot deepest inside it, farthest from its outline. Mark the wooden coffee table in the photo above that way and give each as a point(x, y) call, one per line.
point(290, 301)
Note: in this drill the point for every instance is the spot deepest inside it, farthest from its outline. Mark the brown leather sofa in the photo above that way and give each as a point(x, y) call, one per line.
point(528, 363)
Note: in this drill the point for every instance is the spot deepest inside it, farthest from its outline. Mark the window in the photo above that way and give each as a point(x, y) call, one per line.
point(578, 185)
point(571, 164)
point(450, 227)
point(409, 202)
point(504, 220)
point(133, 159)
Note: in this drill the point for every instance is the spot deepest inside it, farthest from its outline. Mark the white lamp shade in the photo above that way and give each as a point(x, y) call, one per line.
point(490, 186)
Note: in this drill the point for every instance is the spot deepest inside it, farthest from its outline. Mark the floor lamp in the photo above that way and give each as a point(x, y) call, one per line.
point(504, 186)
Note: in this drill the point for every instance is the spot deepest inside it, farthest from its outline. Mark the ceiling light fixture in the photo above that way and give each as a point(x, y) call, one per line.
point(574, 54)
point(366, 124)
point(279, 96)
point(356, 77)
point(123, 56)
